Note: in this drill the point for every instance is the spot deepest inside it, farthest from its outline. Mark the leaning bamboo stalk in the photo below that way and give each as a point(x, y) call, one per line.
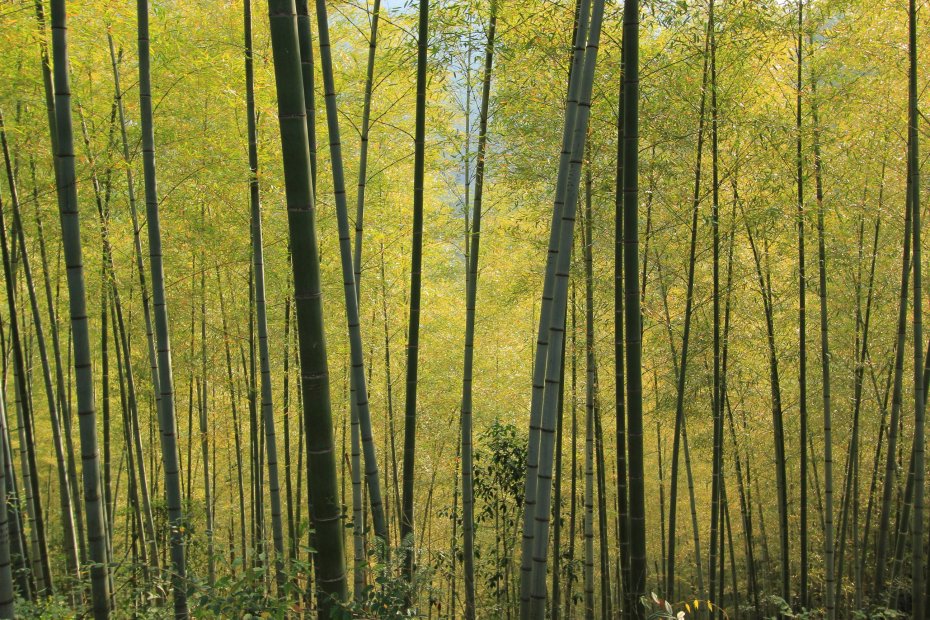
point(686, 340)
point(557, 320)
point(363, 149)
point(683, 431)
point(545, 311)
point(136, 231)
point(359, 384)
point(24, 427)
point(18, 548)
point(63, 403)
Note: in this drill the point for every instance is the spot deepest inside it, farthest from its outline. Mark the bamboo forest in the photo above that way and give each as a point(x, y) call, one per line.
point(464, 309)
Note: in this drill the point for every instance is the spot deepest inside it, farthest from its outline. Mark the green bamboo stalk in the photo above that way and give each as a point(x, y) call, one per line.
point(686, 336)
point(359, 384)
point(890, 477)
point(471, 293)
point(413, 324)
point(913, 163)
point(765, 292)
point(136, 235)
point(305, 43)
point(233, 399)
point(829, 544)
point(599, 460)
point(169, 441)
point(7, 594)
point(321, 462)
point(623, 499)
point(632, 307)
point(258, 270)
point(70, 229)
point(545, 312)
point(363, 149)
point(557, 320)
point(63, 404)
point(208, 489)
point(802, 316)
point(389, 391)
point(292, 525)
point(18, 548)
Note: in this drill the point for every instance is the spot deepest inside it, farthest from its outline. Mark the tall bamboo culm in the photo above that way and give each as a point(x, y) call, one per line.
point(918, 557)
point(634, 387)
point(258, 270)
point(471, 293)
point(416, 262)
point(325, 509)
point(358, 380)
point(545, 311)
point(553, 374)
point(71, 239)
point(169, 438)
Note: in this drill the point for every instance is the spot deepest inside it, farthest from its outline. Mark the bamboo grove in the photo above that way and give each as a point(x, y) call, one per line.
point(463, 309)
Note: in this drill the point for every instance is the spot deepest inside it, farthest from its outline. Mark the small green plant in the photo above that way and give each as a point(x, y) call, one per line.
point(661, 608)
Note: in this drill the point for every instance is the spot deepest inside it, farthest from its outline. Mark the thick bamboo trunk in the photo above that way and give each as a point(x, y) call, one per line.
point(70, 226)
point(318, 424)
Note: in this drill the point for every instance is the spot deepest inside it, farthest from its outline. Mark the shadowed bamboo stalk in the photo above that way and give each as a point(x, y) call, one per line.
point(589, 478)
point(169, 440)
point(633, 319)
point(258, 270)
point(71, 238)
point(358, 380)
point(717, 488)
point(913, 164)
point(413, 323)
point(7, 594)
point(325, 510)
